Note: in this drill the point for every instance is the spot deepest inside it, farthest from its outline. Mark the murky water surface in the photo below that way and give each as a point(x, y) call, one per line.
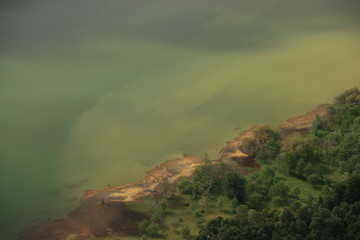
point(97, 92)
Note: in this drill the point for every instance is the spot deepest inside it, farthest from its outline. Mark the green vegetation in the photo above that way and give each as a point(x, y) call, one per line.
point(308, 187)
point(265, 144)
point(327, 157)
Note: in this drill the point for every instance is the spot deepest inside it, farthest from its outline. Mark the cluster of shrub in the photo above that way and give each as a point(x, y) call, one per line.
point(328, 156)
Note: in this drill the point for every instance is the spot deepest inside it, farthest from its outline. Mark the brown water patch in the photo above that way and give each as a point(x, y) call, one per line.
point(100, 217)
point(93, 217)
point(54, 230)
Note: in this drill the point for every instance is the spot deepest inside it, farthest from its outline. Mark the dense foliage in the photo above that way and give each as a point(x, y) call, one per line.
point(337, 217)
point(328, 157)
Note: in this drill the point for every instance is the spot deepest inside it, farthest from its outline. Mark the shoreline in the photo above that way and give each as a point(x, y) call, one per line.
point(113, 198)
point(175, 169)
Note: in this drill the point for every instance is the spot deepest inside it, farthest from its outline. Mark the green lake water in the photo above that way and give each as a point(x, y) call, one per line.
point(98, 92)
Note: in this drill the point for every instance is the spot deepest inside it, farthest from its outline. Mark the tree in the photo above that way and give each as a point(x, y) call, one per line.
point(350, 96)
point(318, 223)
point(220, 202)
point(353, 230)
point(206, 159)
point(166, 194)
point(211, 231)
point(314, 179)
point(254, 217)
point(234, 203)
point(264, 144)
point(153, 230)
point(205, 177)
point(143, 225)
point(234, 186)
point(249, 146)
point(156, 217)
point(297, 152)
point(149, 228)
point(279, 189)
point(242, 214)
point(165, 188)
point(185, 232)
point(279, 201)
point(269, 149)
point(164, 204)
point(254, 200)
point(176, 223)
point(279, 194)
point(347, 191)
point(203, 202)
point(185, 187)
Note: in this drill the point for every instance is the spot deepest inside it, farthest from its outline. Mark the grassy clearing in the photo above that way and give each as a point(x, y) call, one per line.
point(191, 220)
point(307, 190)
